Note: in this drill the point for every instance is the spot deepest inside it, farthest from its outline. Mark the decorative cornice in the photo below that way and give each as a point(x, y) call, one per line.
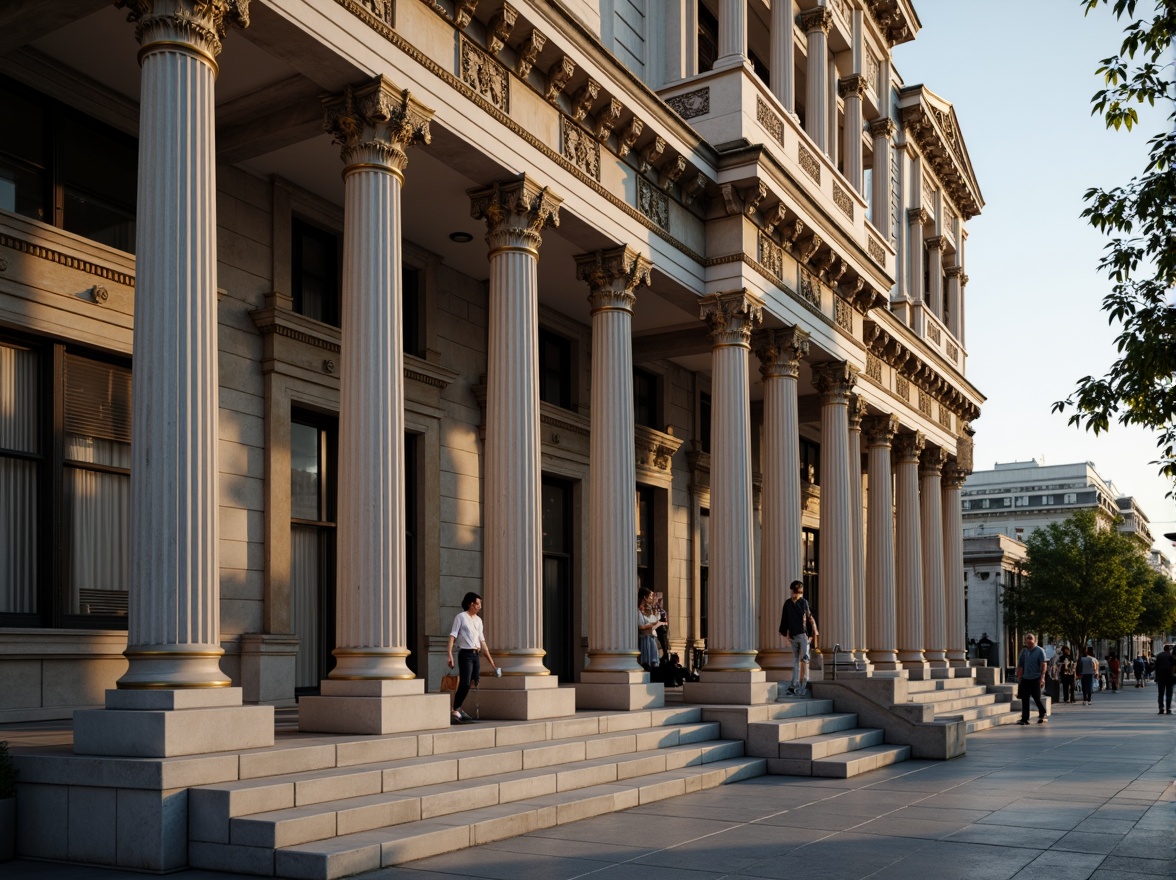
point(891, 18)
point(613, 276)
point(558, 76)
point(62, 259)
point(731, 316)
point(516, 212)
point(373, 123)
point(654, 449)
point(629, 136)
point(607, 119)
point(529, 51)
point(584, 99)
point(463, 13)
point(904, 360)
point(937, 134)
point(499, 28)
point(780, 351)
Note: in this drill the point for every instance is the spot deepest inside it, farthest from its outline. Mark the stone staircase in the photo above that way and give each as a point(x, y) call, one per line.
point(979, 706)
point(329, 808)
point(806, 737)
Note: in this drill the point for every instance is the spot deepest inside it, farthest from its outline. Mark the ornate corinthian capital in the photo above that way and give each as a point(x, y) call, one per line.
point(907, 447)
point(883, 127)
point(853, 85)
point(932, 460)
point(516, 212)
point(780, 351)
point(834, 381)
point(373, 123)
point(879, 430)
point(821, 17)
point(955, 475)
point(200, 24)
point(731, 316)
point(613, 276)
point(857, 411)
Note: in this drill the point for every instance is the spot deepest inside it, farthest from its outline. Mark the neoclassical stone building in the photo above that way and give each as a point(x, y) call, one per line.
point(315, 316)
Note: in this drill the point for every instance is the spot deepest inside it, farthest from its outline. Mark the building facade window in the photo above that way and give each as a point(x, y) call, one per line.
point(65, 457)
point(703, 570)
point(704, 422)
point(708, 38)
point(555, 369)
point(810, 462)
point(646, 399)
point(66, 169)
point(810, 549)
point(1070, 498)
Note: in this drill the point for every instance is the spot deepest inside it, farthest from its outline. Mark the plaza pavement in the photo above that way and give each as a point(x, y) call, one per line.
point(1090, 795)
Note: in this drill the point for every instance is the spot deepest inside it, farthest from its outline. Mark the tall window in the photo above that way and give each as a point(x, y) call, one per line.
point(65, 441)
point(810, 544)
point(646, 400)
point(315, 273)
point(66, 169)
point(703, 570)
point(708, 38)
point(312, 546)
point(555, 369)
point(704, 422)
point(645, 538)
point(810, 462)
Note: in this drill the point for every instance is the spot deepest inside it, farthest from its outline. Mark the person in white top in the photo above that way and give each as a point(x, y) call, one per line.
point(467, 633)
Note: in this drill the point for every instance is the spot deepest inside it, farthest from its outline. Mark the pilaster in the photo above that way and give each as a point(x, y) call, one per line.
point(731, 674)
point(856, 411)
point(782, 59)
point(834, 382)
point(916, 219)
point(852, 88)
point(935, 245)
point(954, 477)
point(779, 353)
point(882, 130)
point(816, 24)
point(613, 679)
point(908, 543)
point(879, 432)
point(931, 513)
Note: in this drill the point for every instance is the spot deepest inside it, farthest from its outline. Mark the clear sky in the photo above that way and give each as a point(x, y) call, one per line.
point(1021, 74)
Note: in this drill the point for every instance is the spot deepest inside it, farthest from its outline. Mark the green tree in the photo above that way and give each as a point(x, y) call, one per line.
point(1159, 606)
point(1082, 581)
point(1140, 259)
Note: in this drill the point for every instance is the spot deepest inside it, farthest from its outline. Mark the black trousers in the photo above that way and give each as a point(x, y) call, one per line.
point(1164, 689)
point(1031, 688)
point(469, 664)
point(1067, 689)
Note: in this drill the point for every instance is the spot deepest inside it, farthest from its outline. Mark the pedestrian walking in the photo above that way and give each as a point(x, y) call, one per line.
point(467, 633)
point(1165, 679)
point(1137, 668)
point(1113, 674)
point(1087, 669)
point(1066, 669)
point(798, 625)
point(1031, 678)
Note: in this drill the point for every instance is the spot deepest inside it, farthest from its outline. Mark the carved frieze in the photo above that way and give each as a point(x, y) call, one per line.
point(766, 117)
point(902, 388)
point(529, 50)
point(934, 334)
point(691, 104)
point(484, 75)
point(874, 247)
point(843, 314)
point(872, 67)
point(653, 203)
point(808, 163)
point(842, 200)
point(874, 367)
point(579, 148)
point(498, 30)
point(771, 255)
point(382, 11)
point(952, 351)
point(945, 416)
point(924, 403)
point(808, 289)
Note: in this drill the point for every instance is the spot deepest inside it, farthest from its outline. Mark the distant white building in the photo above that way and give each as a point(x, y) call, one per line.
point(1014, 498)
point(991, 562)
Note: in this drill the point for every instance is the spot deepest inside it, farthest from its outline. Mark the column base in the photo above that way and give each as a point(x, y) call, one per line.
point(957, 658)
point(521, 698)
point(625, 691)
point(917, 670)
point(890, 665)
point(776, 664)
point(373, 707)
point(736, 688)
point(883, 659)
point(169, 723)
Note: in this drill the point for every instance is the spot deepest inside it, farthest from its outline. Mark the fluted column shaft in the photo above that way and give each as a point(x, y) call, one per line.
point(954, 478)
point(779, 353)
point(173, 621)
point(816, 24)
point(515, 212)
point(732, 32)
point(852, 88)
point(612, 276)
point(782, 60)
point(908, 542)
point(882, 130)
point(916, 217)
point(954, 304)
point(373, 124)
point(880, 600)
point(731, 637)
point(856, 410)
point(934, 599)
point(834, 382)
point(935, 274)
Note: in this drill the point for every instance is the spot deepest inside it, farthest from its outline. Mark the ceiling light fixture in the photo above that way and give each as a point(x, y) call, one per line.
point(460, 237)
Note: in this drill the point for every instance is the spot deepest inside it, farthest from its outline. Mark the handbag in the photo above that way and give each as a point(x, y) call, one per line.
point(449, 682)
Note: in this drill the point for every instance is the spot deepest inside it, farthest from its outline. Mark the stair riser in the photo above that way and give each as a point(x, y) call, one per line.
point(841, 745)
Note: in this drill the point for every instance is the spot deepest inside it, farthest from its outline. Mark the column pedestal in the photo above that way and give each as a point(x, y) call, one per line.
point(524, 698)
point(743, 687)
point(624, 691)
point(374, 707)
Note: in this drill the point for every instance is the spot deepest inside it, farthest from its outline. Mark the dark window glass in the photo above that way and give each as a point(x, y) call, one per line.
point(810, 462)
point(811, 550)
point(315, 273)
point(761, 69)
point(559, 599)
point(645, 537)
point(704, 570)
point(704, 422)
point(708, 38)
point(555, 369)
point(21, 469)
point(646, 405)
point(411, 310)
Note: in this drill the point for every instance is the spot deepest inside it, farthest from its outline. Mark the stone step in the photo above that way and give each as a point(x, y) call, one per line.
point(917, 686)
point(987, 710)
point(952, 707)
point(851, 764)
point(386, 846)
point(303, 824)
point(764, 737)
point(811, 748)
point(975, 690)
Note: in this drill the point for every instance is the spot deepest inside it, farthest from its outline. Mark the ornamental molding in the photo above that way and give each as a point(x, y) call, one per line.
point(629, 136)
point(558, 76)
point(691, 104)
point(780, 352)
point(63, 259)
point(579, 147)
point(463, 13)
point(203, 24)
point(808, 289)
point(932, 124)
point(584, 99)
point(374, 123)
point(808, 163)
point(671, 172)
point(770, 121)
point(528, 52)
point(613, 275)
point(653, 203)
point(655, 450)
point(875, 250)
point(874, 367)
point(650, 154)
point(607, 119)
point(843, 314)
point(731, 316)
point(380, 15)
point(484, 74)
point(894, 19)
point(516, 211)
point(771, 255)
point(842, 200)
point(913, 368)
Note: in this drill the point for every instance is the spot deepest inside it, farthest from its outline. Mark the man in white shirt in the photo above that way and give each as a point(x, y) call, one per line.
point(468, 635)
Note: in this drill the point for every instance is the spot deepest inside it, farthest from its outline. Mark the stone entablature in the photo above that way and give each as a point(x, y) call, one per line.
point(933, 125)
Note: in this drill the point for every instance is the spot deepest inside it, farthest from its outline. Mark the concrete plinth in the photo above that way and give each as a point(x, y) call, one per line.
point(167, 733)
point(522, 698)
point(916, 671)
point(374, 707)
point(741, 688)
point(619, 690)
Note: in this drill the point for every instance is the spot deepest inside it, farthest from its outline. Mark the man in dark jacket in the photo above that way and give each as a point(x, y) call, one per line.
point(1165, 678)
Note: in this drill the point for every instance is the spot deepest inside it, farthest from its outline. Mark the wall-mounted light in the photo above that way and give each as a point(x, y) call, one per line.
point(460, 237)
